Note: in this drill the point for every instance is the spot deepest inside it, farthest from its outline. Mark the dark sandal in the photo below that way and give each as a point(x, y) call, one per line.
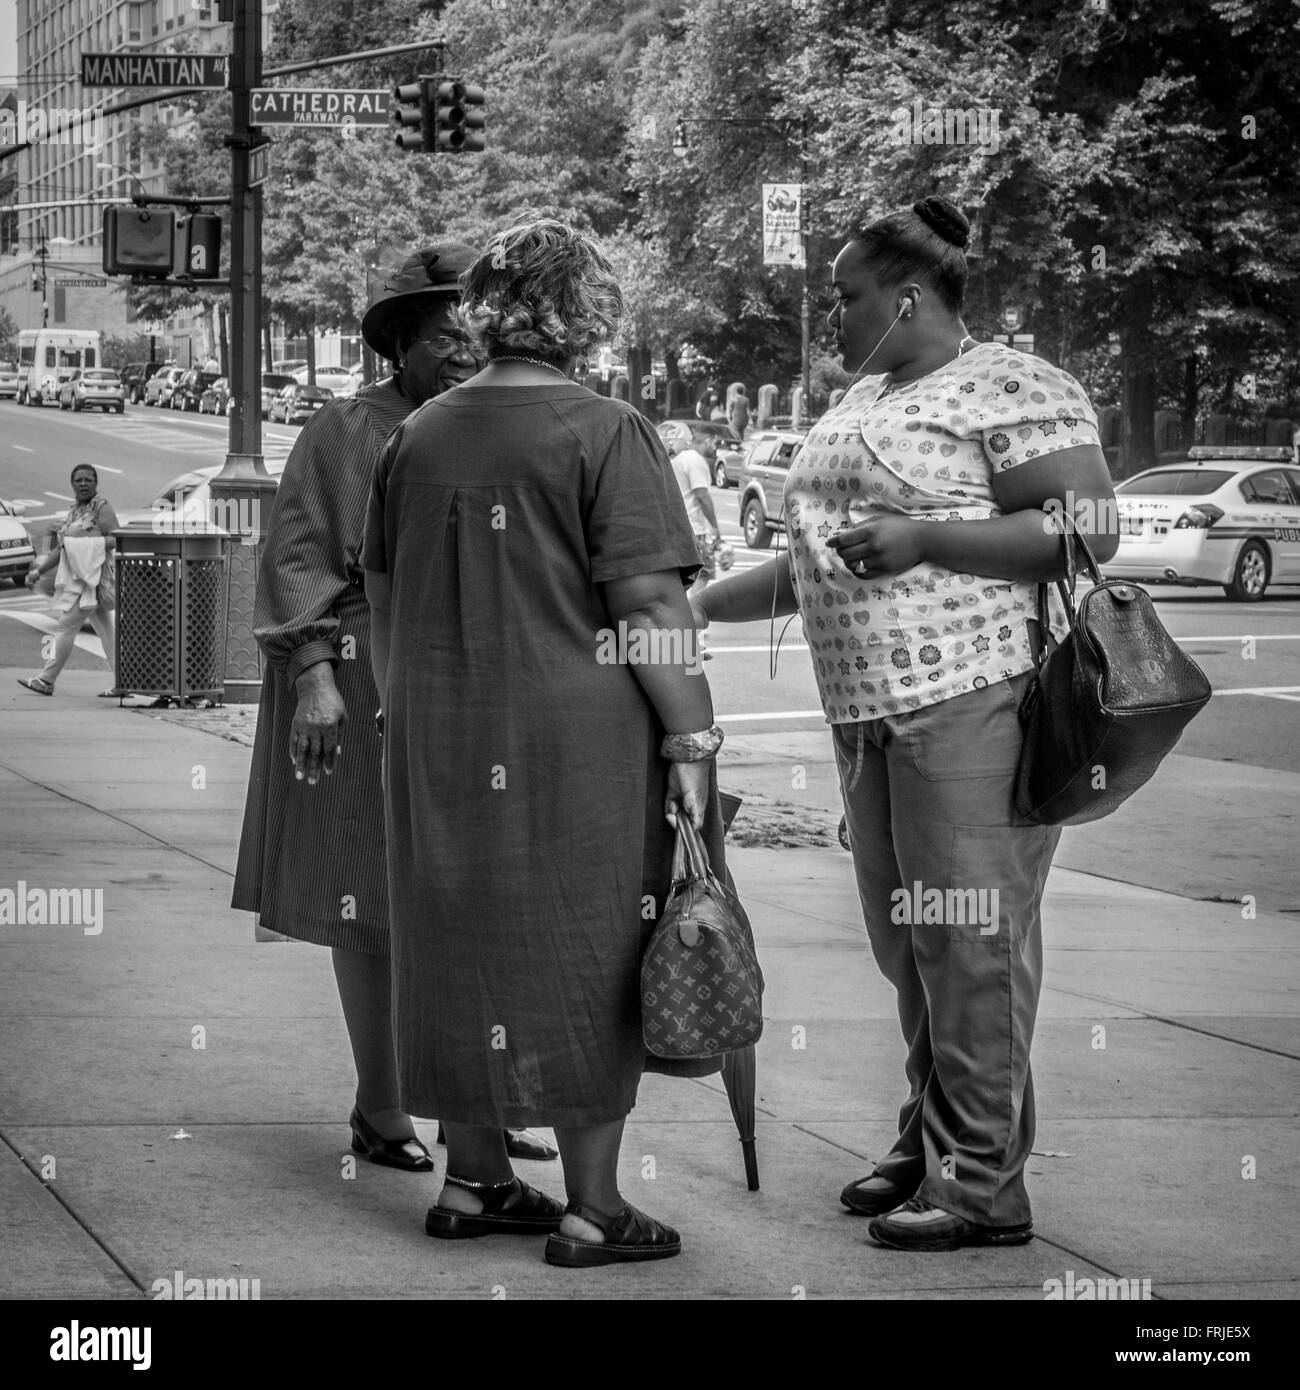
point(520, 1143)
point(38, 685)
point(389, 1153)
point(629, 1235)
point(509, 1209)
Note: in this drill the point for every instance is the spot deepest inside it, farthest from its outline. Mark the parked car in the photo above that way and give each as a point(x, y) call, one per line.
point(216, 399)
point(16, 549)
point(296, 404)
point(158, 389)
point(136, 374)
point(762, 482)
point(272, 384)
point(190, 388)
point(1228, 515)
point(93, 388)
point(335, 379)
point(9, 379)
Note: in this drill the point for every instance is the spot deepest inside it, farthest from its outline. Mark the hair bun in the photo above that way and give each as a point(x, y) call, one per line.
point(945, 220)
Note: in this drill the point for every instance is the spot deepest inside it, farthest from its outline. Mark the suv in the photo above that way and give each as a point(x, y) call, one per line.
point(158, 389)
point(136, 374)
point(190, 388)
point(762, 482)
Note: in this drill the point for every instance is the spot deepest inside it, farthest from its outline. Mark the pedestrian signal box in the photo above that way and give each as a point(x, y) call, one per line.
point(138, 241)
point(157, 242)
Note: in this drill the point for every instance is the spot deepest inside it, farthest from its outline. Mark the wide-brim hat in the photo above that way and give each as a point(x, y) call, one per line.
point(431, 274)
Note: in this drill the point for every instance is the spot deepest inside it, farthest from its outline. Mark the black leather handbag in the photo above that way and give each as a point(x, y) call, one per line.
point(1106, 704)
point(701, 987)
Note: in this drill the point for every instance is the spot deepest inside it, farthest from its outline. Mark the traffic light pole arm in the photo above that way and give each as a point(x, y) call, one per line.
point(172, 93)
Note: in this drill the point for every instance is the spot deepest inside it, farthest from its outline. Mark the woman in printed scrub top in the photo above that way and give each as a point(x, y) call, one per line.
point(919, 522)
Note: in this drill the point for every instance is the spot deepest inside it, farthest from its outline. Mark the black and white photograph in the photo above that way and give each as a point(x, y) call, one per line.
point(665, 666)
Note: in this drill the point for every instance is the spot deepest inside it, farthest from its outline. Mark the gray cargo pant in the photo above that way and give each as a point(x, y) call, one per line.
point(928, 797)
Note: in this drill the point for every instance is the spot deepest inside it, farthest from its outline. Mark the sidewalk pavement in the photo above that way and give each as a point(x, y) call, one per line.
point(178, 1093)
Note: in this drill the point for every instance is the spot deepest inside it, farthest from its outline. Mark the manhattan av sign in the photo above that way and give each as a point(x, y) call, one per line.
point(155, 70)
point(320, 106)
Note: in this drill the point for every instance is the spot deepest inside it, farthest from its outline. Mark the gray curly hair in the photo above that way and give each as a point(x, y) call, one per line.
point(542, 288)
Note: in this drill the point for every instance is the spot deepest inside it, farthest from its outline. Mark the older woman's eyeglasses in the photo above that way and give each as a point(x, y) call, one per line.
point(448, 344)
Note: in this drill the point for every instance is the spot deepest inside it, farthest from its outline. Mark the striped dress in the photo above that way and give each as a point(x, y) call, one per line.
point(311, 859)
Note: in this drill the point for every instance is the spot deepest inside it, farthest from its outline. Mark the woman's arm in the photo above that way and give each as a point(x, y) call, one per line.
point(1023, 545)
point(379, 595)
point(656, 604)
point(747, 597)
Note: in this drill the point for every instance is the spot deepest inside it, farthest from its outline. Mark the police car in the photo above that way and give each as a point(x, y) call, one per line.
point(1227, 515)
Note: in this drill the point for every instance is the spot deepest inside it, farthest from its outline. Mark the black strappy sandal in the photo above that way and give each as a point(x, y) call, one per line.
point(629, 1235)
point(509, 1209)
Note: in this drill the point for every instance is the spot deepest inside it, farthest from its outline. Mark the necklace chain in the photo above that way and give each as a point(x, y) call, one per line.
point(961, 350)
point(534, 362)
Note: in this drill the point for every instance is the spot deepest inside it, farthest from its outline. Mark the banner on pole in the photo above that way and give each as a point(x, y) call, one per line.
point(783, 224)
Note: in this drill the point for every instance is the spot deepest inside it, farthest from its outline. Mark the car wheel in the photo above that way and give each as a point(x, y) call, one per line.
point(757, 536)
point(19, 581)
point(720, 474)
point(1249, 575)
point(76, 405)
point(121, 408)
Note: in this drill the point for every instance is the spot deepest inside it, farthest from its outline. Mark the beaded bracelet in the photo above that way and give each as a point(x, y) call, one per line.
point(692, 748)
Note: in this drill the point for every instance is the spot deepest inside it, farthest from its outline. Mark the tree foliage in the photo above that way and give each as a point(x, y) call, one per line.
point(1131, 189)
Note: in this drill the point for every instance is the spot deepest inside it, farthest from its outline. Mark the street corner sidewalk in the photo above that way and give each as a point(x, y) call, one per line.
point(178, 1093)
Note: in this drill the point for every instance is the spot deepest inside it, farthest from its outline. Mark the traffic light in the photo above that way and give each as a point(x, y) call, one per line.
point(413, 115)
point(203, 246)
point(457, 121)
point(138, 241)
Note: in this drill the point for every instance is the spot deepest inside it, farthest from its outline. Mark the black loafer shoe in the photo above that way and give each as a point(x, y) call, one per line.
point(920, 1225)
point(388, 1153)
point(520, 1143)
point(509, 1209)
point(864, 1201)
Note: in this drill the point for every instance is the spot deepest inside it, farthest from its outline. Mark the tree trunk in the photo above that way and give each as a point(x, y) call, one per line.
point(223, 324)
point(640, 382)
point(266, 344)
point(1191, 399)
point(1137, 440)
point(311, 353)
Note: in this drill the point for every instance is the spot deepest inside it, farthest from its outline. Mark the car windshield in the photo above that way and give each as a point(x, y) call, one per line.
point(1175, 482)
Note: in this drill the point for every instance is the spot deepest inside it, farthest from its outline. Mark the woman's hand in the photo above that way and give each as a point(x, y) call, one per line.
point(315, 740)
point(33, 575)
point(881, 546)
point(688, 789)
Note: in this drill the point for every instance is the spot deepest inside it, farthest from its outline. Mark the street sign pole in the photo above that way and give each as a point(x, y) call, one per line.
point(243, 488)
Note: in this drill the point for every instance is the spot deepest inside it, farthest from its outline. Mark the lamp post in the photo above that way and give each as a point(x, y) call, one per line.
point(44, 254)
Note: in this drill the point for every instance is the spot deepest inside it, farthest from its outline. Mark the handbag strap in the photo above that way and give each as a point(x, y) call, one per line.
point(690, 858)
point(1071, 537)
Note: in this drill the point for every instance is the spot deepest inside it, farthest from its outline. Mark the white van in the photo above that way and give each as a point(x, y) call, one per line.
point(47, 357)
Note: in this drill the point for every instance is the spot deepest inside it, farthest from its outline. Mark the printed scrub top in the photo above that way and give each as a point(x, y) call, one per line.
point(926, 448)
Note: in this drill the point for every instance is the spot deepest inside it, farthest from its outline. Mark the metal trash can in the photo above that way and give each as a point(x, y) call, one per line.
point(171, 611)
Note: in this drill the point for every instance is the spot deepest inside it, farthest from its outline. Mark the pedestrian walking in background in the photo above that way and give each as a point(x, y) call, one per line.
point(311, 856)
point(915, 513)
point(694, 477)
point(738, 413)
point(515, 523)
point(84, 590)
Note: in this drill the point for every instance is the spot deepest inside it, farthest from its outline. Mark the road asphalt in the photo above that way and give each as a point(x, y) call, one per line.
point(175, 1093)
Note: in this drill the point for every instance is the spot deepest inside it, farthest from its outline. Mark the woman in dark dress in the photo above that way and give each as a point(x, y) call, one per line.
point(513, 521)
point(311, 857)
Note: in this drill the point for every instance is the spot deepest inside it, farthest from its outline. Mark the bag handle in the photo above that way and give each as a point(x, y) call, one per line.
point(690, 858)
